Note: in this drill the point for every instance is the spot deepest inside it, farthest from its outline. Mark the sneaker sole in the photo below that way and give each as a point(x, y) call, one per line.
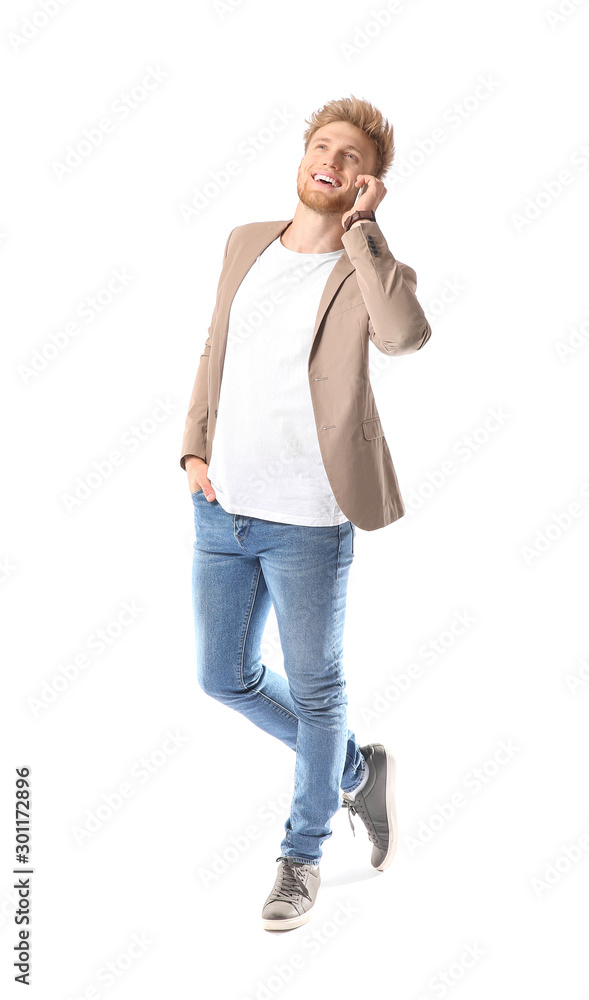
point(287, 923)
point(391, 812)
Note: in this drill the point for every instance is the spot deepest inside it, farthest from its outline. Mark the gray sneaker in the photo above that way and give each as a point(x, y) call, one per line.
point(375, 804)
point(294, 893)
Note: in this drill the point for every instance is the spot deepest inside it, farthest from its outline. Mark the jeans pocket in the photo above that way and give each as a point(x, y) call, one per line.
point(353, 526)
point(195, 494)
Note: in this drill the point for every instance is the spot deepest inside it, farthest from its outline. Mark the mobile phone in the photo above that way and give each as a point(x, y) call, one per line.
point(361, 192)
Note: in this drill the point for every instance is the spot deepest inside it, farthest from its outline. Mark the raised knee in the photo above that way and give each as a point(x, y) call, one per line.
point(210, 684)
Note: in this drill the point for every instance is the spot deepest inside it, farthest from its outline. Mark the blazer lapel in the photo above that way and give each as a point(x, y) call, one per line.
point(252, 245)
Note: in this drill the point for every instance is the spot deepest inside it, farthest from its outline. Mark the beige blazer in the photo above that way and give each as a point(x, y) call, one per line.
point(368, 294)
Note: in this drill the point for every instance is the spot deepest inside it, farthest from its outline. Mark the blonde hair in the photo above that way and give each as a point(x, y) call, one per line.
point(364, 116)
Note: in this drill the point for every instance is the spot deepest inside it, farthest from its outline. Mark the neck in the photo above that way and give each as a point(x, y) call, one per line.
point(312, 232)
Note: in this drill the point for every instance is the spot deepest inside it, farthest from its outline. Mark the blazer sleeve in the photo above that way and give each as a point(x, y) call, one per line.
point(397, 324)
point(195, 429)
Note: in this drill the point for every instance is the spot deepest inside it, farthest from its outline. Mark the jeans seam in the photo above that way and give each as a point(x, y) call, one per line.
point(249, 618)
point(288, 832)
point(280, 708)
point(247, 625)
point(340, 678)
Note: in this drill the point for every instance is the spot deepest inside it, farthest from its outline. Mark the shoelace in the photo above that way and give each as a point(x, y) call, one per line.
point(358, 807)
point(289, 883)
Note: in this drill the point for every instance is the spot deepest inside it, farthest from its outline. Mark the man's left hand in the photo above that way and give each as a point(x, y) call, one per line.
point(375, 192)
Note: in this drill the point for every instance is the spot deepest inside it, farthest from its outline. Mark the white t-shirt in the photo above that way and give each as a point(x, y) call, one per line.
point(266, 461)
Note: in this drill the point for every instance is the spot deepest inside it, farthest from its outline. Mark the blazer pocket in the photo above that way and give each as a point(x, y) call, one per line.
point(372, 428)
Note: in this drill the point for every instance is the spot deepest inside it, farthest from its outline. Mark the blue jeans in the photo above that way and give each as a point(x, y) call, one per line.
point(241, 567)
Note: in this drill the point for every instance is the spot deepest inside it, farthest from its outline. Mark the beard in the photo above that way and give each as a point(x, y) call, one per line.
point(336, 202)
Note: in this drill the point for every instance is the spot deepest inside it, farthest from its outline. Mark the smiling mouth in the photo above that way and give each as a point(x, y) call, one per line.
point(325, 184)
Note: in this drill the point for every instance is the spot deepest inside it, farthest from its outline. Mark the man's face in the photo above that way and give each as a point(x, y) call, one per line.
point(342, 151)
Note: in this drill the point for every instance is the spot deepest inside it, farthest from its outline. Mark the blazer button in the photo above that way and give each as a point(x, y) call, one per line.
point(215, 413)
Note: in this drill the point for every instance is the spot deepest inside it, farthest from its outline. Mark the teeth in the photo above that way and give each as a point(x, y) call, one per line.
point(324, 177)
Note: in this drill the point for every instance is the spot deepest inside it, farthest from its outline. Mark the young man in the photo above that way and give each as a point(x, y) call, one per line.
point(300, 460)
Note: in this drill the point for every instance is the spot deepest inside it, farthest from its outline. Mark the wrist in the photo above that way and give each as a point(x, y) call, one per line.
point(357, 216)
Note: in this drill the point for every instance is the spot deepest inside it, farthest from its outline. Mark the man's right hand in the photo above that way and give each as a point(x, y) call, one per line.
point(197, 470)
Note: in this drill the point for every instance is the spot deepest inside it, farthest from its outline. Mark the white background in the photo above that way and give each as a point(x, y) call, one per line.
point(482, 213)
